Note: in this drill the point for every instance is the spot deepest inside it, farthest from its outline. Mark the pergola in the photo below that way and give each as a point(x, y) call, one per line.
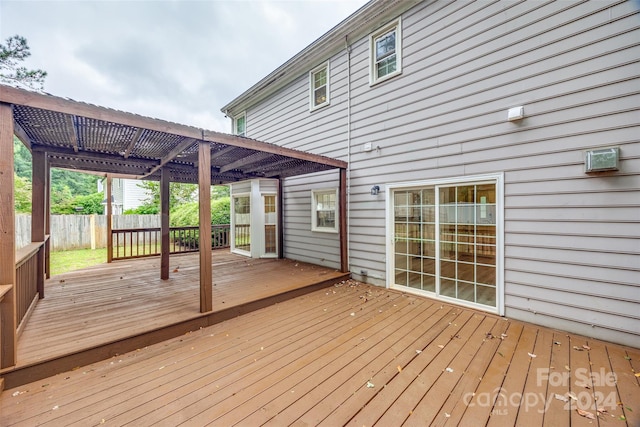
point(74, 135)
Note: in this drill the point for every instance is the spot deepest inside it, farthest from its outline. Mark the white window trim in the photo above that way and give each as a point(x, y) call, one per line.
point(498, 178)
point(235, 121)
point(373, 79)
point(312, 88)
point(314, 226)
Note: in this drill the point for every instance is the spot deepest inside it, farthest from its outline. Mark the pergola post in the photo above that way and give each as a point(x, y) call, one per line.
point(8, 339)
point(164, 223)
point(204, 198)
point(47, 220)
point(342, 206)
point(109, 225)
point(280, 209)
point(38, 211)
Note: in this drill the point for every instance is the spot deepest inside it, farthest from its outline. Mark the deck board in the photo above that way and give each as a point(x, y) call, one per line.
point(307, 361)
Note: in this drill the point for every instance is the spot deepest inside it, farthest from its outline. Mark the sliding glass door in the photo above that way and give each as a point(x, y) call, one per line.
point(445, 241)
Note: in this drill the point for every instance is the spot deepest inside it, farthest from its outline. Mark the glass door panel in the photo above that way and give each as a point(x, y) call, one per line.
point(242, 223)
point(452, 228)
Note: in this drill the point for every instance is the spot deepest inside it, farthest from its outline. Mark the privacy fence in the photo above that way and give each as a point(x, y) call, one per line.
point(81, 231)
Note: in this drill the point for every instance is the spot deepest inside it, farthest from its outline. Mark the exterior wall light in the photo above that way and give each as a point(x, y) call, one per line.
point(375, 190)
point(515, 113)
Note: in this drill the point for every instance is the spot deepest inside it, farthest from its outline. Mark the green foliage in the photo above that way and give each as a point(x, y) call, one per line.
point(22, 194)
point(78, 183)
point(21, 160)
point(188, 214)
point(81, 205)
point(143, 210)
point(12, 53)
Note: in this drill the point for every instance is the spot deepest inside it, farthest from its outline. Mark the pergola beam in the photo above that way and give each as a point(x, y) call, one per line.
point(133, 142)
point(172, 154)
point(247, 161)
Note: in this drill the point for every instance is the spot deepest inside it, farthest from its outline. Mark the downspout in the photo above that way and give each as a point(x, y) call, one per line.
point(348, 49)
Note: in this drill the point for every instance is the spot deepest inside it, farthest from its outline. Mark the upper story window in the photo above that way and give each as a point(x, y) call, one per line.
point(319, 87)
point(386, 55)
point(324, 212)
point(240, 125)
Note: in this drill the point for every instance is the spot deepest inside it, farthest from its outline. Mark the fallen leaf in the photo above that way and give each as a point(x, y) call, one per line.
point(502, 355)
point(440, 346)
point(532, 355)
point(557, 342)
point(353, 314)
point(399, 368)
point(638, 374)
point(586, 414)
point(447, 415)
point(449, 369)
point(503, 336)
point(575, 347)
point(623, 418)
point(560, 397)
point(567, 367)
point(572, 396)
point(418, 351)
point(370, 384)
point(627, 358)
point(586, 347)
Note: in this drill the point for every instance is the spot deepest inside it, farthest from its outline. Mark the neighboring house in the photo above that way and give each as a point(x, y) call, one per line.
point(125, 193)
point(493, 150)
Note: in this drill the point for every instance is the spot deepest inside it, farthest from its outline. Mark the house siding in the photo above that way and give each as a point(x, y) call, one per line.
point(571, 239)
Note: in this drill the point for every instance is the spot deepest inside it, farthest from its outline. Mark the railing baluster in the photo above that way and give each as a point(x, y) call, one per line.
point(181, 240)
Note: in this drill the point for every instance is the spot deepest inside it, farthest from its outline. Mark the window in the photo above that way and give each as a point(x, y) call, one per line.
point(240, 125)
point(319, 87)
point(324, 211)
point(446, 241)
point(386, 56)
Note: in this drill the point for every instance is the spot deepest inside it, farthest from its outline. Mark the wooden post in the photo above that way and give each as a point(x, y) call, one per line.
point(8, 321)
point(92, 225)
point(204, 198)
point(164, 223)
point(108, 213)
point(47, 221)
point(344, 250)
point(280, 209)
point(38, 209)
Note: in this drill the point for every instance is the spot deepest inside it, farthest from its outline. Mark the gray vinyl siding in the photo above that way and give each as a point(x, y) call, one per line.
point(572, 240)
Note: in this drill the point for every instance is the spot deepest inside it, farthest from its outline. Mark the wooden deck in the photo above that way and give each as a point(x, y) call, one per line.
point(353, 355)
point(92, 314)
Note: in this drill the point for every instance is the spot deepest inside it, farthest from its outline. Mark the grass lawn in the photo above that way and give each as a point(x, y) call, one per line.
point(64, 261)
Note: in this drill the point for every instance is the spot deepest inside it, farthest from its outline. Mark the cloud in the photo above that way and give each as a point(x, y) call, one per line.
point(175, 60)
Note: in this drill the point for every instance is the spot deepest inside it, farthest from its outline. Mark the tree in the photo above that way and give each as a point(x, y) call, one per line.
point(14, 51)
point(22, 194)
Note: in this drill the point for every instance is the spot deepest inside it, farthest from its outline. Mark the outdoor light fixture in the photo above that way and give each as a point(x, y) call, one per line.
point(515, 113)
point(375, 190)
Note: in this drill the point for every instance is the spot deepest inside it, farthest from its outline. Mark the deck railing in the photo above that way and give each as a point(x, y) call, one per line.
point(30, 272)
point(144, 242)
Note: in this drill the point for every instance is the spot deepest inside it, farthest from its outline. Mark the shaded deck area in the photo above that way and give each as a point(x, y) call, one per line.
point(92, 314)
point(351, 354)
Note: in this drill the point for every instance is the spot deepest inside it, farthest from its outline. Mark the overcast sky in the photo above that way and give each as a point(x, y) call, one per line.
point(176, 60)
